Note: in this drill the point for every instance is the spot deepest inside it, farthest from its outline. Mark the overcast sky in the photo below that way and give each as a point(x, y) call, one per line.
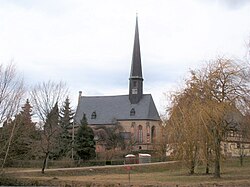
point(88, 44)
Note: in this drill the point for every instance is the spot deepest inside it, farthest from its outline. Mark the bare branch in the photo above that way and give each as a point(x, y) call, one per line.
point(44, 96)
point(11, 91)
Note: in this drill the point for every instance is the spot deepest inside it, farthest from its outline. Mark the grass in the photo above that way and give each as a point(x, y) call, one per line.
point(163, 174)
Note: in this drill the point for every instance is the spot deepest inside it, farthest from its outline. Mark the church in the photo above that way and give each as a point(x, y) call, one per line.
point(135, 112)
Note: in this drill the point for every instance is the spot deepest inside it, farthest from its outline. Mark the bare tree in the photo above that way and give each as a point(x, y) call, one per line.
point(45, 95)
point(11, 93)
point(46, 98)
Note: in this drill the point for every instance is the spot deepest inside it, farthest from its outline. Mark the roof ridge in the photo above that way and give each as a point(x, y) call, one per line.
point(111, 95)
point(105, 96)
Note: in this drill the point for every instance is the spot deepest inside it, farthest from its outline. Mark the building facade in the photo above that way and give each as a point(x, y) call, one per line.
point(136, 112)
point(235, 144)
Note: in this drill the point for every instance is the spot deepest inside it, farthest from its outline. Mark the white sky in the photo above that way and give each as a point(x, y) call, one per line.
point(88, 44)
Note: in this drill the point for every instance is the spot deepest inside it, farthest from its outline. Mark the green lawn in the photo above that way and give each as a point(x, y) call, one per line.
point(163, 174)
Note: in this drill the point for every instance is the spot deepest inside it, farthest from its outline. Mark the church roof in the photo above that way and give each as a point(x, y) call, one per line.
point(106, 109)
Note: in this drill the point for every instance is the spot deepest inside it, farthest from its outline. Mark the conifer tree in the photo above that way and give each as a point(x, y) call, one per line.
point(50, 134)
point(85, 144)
point(24, 134)
point(66, 121)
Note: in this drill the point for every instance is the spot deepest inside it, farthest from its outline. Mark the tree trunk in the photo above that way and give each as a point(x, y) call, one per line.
point(8, 146)
point(192, 167)
point(207, 164)
point(193, 160)
point(241, 154)
point(241, 160)
point(217, 156)
point(207, 168)
point(45, 162)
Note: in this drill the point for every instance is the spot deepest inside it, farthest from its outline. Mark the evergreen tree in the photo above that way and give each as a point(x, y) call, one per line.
point(50, 134)
point(66, 121)
point(24, 134)
point(85, 144)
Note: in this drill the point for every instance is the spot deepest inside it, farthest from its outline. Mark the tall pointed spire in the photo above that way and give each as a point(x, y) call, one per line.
point(136, 70)
point(136, 80)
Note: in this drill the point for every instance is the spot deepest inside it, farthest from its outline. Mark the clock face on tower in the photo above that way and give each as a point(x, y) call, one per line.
point(134, 91)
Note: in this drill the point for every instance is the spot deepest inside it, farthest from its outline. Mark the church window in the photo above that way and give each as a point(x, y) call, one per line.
point(148, 129)
point(93, 115)
point(148, 133)
point(133, 128)
point(140, 134)
point(132, 112)
point(153, 134)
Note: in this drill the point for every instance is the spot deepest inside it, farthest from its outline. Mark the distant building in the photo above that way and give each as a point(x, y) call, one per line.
point(136, 112)
point(236, 144)
point(236, 141)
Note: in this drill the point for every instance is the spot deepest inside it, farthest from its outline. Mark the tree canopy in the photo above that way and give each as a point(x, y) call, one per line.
point(202, 112)
point(85, 144)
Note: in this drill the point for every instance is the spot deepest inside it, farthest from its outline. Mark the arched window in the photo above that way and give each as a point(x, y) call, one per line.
point(132, 131)
point(132, 112)
point(93, 115)
point(153, 134)
point(140, 134)
point(148, 133)
point(133, 128)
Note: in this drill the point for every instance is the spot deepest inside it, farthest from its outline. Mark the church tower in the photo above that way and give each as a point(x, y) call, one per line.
point(135, 79)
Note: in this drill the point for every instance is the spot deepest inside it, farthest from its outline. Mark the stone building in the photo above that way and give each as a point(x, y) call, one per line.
point(135, 112)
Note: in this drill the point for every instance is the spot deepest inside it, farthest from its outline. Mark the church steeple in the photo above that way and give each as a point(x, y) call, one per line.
point(136, 80)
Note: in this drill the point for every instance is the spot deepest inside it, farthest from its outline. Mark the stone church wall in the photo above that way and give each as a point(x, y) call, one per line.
point(142, 134)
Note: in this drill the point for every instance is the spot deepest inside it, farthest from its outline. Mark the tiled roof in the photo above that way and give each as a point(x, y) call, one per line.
point(110, 108)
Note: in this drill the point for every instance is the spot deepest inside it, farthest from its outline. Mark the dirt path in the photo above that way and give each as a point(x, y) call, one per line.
point(17, 170)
